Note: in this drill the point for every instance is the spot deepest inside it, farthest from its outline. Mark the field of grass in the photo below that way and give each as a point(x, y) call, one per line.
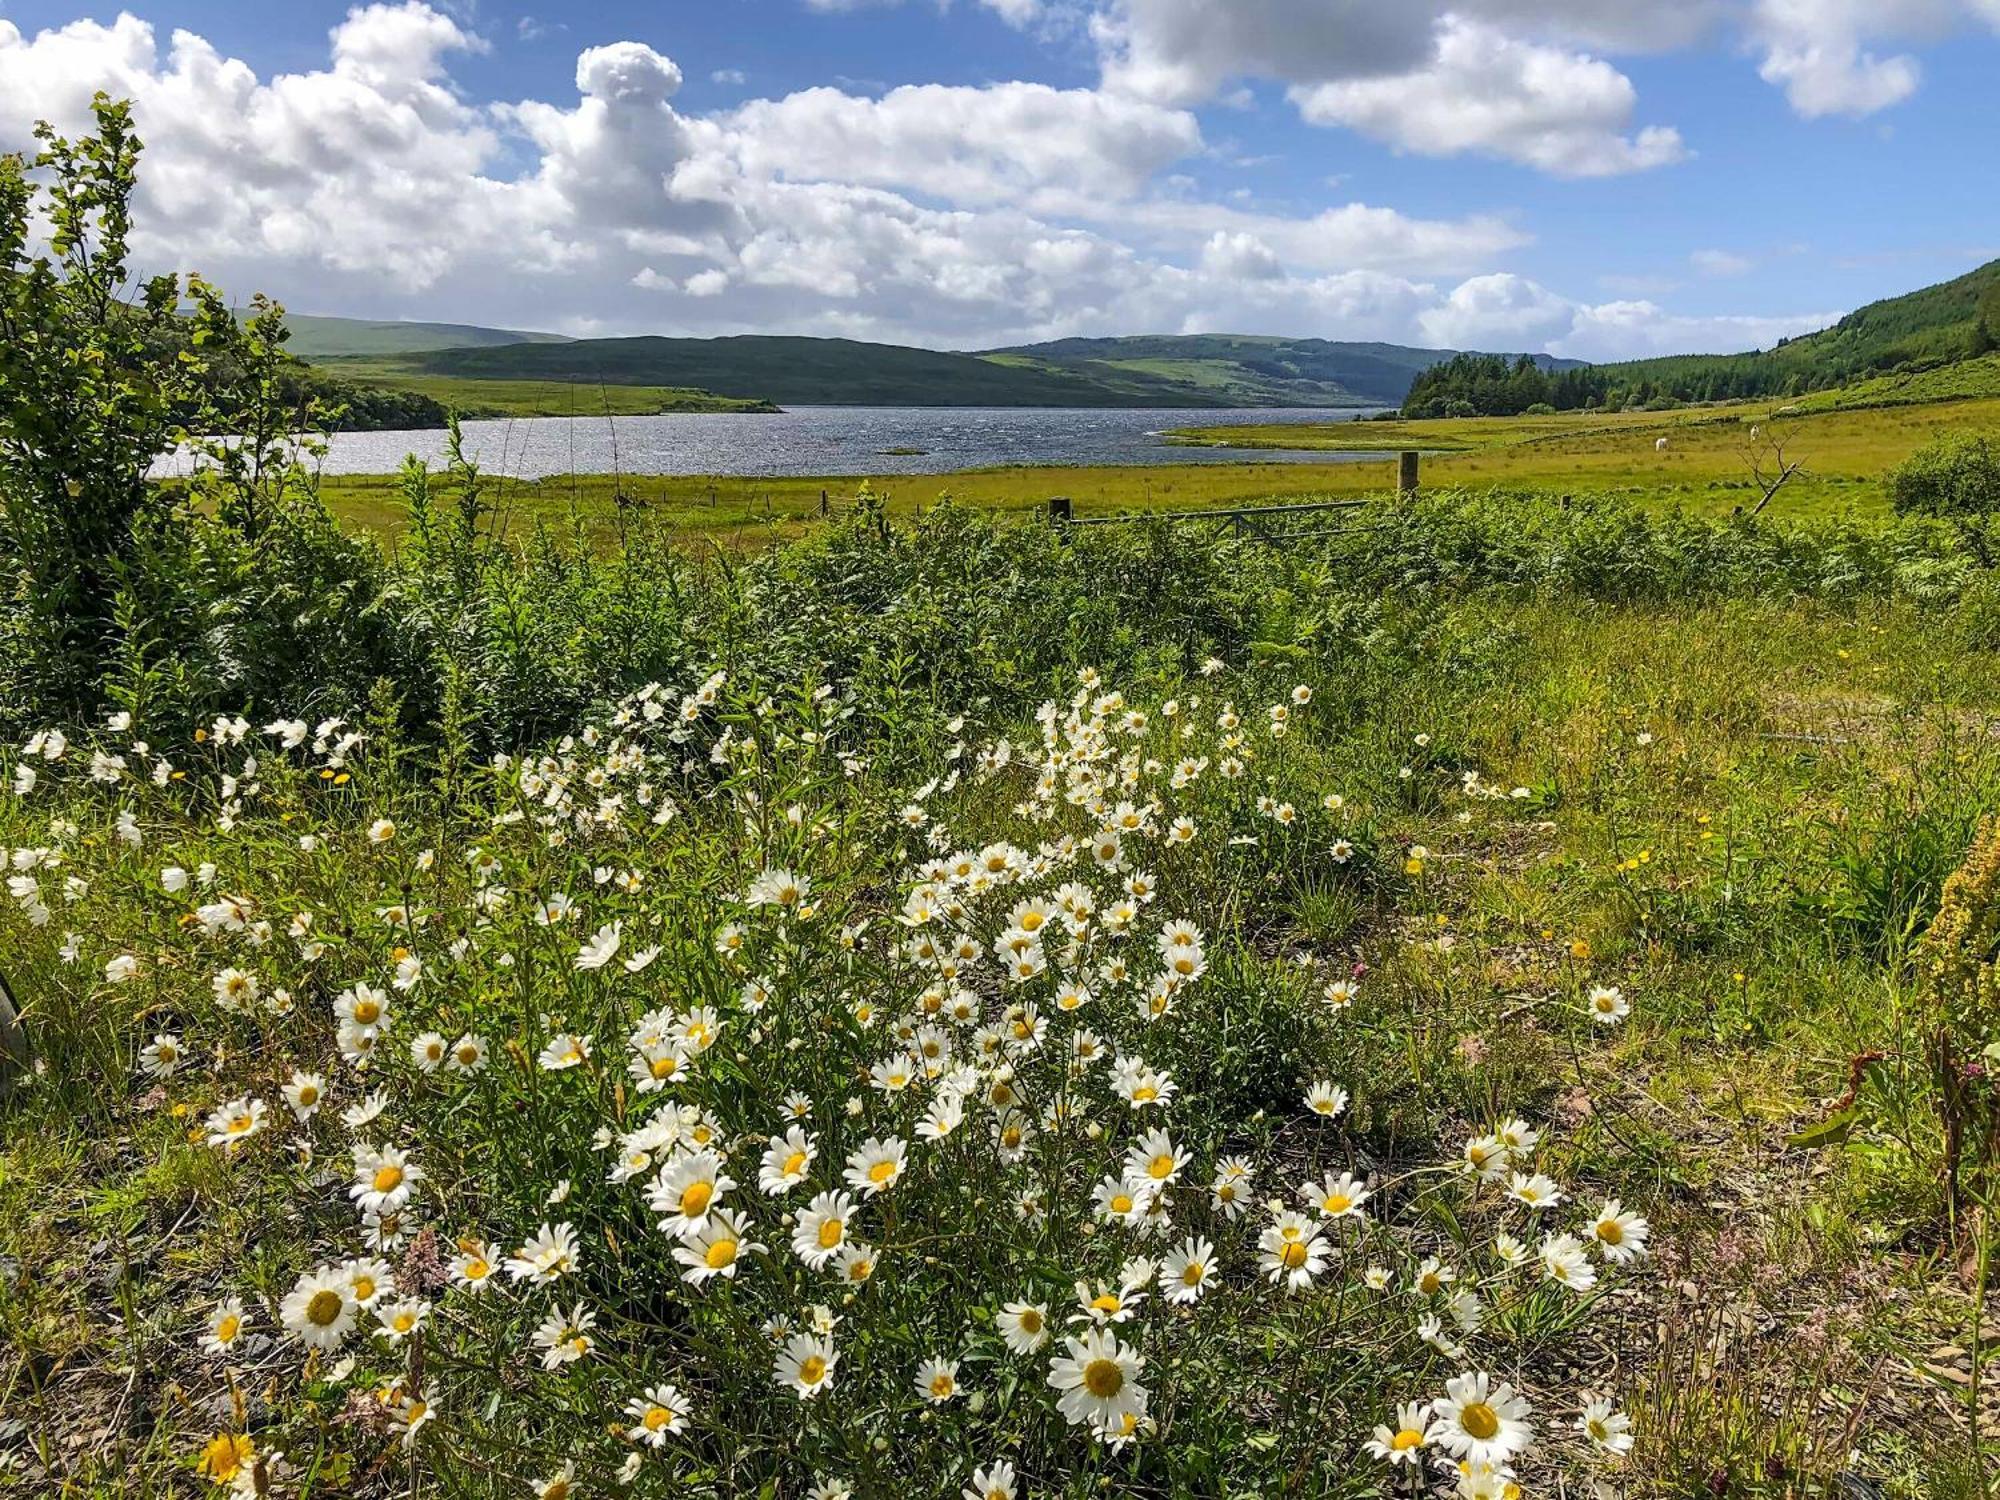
point(1705, 470)
point(760, 510)
point(1962, 380)
point(1722, 816)
point(474, 397)
point(1847, 447)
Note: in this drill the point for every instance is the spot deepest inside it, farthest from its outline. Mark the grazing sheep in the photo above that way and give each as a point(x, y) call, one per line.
point(1660, 446)
point(1756, 433)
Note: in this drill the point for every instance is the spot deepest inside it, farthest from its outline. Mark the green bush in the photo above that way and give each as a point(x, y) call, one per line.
point(1957, 475)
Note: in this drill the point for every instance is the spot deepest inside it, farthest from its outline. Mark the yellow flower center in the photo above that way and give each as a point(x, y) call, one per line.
point(1161, 1166)
point(367, 1012)
point(656, 1418)
point(324, 1308)
point(1145, 1093)
point(1479, 1420)
point(1407, 1439)
point(721, 1255)
point(1192, 1273)
point(882, 1171)
point(1336, 1203)
point(812, 1370)
point(795, 1163)
point(388, 1178)
point(1011, 1137)
point(665, 1067)
point(228, 1328)
point(1121, 1203)
point(364, 1288)
point(695, 1198)
point(308, 1095)
point(477, 1269)
point(1293, 1255)
point(1611, 1232)
point(831, 1233)
point(942, 1386)
point(1031, 1320)
point(1106, 1302)
point(1103, 1379)
point(467, 1056)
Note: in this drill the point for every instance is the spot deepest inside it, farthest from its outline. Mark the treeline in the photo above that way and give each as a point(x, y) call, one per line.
point(1937, 326)
point(369, 408)
point(1490, 385)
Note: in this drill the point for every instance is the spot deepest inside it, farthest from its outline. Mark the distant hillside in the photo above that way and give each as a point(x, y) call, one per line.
point(1922, 329)
point(1218, 370)
point(1237, 370)
point(1905, 337)
point(804, 371)
point(327, 338)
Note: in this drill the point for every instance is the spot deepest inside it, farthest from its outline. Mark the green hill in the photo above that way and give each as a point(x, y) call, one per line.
point(806, 371)
point(1197, 371)
point(315, 338)
point(1900, 339)
point(1238, 370)
point(1938, 325)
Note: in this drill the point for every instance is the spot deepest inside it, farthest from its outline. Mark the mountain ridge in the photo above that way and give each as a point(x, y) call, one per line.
point(1159, 370)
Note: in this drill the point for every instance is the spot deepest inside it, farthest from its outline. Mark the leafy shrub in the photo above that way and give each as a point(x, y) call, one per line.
point(1955, 475)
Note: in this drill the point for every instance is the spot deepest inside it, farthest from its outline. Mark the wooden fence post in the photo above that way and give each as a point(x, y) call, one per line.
point(1406, 476)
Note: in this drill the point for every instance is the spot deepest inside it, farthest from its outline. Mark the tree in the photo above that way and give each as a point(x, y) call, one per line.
point(105, 566)
point(1986, 322)
point(1770, 468)
point(87, 402)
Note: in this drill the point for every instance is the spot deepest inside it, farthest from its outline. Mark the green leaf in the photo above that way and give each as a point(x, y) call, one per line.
point(1832, 1131)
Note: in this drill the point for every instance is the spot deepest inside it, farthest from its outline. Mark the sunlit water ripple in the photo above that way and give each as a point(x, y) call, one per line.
point(809, 440)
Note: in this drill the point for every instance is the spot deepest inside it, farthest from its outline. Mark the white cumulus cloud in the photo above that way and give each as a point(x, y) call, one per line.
point(956, 216)
point(1544, 106)
point(1829, 56)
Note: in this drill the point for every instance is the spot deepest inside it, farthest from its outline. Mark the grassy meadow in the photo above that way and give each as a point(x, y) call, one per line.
point(1706, 470)
point(473, 397)
point(503, 1000)
point(1629, 877)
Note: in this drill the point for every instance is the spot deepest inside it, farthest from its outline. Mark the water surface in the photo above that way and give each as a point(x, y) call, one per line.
point(810, 440)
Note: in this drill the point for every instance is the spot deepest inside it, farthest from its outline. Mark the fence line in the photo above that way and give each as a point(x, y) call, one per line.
point(1254, 521)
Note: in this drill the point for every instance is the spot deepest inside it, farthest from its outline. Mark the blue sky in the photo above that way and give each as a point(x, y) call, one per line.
point(1602, 178)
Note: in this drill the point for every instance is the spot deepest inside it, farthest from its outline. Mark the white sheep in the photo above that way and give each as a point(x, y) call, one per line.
point(1660, 446)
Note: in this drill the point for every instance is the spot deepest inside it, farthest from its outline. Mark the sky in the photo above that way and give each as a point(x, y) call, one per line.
point(1598, 179)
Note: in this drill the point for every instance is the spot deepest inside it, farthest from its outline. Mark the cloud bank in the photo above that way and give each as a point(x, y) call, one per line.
point(951, 215)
